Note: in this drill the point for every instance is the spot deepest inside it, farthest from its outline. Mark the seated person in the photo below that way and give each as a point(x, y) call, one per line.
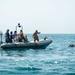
point(45, 38)
point(22, 37)
point(35, 36)
point(15, 36)
point(26, 39)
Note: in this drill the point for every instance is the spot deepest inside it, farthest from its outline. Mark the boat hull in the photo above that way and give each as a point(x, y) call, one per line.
point(30, 45)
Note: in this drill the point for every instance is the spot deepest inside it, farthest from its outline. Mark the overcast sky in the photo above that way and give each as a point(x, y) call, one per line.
point(47, 16)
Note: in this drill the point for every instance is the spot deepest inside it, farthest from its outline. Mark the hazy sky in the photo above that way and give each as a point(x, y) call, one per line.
point(47, 16)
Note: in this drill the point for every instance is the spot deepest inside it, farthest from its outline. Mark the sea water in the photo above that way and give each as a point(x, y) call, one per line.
point(56, 59)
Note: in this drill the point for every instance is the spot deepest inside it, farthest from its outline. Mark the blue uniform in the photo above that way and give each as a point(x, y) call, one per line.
point(7, 37)
point(11, 37)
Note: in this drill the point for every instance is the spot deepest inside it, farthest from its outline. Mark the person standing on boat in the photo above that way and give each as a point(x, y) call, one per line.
point(35, 36)
point(7, 36)
point(11, 36)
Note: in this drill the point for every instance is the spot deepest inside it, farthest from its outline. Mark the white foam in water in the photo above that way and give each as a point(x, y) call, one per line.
point(55, 62)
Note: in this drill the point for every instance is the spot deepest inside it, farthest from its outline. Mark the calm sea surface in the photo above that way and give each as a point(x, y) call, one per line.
point(56, 59)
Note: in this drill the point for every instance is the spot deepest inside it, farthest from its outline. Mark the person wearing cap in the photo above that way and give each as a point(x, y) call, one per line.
point(35, 36)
